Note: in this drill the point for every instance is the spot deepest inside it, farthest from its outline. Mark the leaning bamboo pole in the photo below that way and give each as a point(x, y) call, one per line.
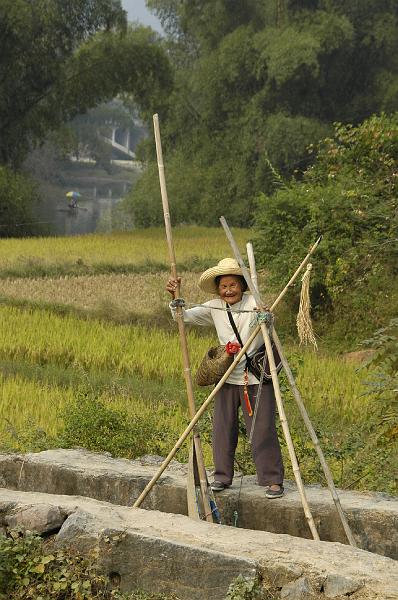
point(275, 383)
point(219, 385)
point(197, 452)
point(252, 264)
point(253, 275)
point(314, 438)
point(302, 409)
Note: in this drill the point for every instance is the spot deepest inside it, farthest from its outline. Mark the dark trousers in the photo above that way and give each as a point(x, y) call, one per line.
point(265, 444)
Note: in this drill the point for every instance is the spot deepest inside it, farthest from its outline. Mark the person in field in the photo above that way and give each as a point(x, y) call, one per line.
point(226, 281)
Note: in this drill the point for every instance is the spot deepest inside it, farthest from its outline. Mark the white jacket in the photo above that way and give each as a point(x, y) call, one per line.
point(207, 314)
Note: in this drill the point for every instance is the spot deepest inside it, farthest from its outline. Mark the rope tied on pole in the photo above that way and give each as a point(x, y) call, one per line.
point(263, 316)
point(177, 303)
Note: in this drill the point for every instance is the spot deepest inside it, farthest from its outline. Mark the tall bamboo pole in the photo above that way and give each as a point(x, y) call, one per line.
point(253, 275)
point(219, 385)
point(275, 382)
point(197, 447)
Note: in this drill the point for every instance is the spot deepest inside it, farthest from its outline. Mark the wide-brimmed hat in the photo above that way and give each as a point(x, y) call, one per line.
point(226, 266)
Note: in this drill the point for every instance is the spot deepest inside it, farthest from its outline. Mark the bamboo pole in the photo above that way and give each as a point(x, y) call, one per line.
point(275, 382)
point(303, 410)
point(253, 275)
point(252, 264)
point(198, 454)
point(314, 438)
point(219, 385)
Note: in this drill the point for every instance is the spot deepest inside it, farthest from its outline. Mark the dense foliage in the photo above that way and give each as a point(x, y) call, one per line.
point(350, 196)
point(57, 59)
point(89, 423)
point(18, 197)
point(255, 82)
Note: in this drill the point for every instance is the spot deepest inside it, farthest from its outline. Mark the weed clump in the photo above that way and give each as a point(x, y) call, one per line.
point(35, 569)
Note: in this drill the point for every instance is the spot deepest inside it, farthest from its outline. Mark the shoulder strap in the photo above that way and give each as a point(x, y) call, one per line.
point(233, 325)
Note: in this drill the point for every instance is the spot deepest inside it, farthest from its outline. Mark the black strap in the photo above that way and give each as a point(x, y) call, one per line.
point(233, 325)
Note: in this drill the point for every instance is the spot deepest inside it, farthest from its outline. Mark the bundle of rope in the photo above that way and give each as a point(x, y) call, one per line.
point(304, 324)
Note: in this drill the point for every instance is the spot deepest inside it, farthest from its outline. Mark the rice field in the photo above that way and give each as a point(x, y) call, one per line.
point(44, 405)
point(133, 292)
point(40, 337)
point(48, 356)
point(138, 247)
point(118, 294)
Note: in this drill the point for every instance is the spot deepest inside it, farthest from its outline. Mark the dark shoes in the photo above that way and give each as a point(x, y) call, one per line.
point(218, 486)
point(270, 493)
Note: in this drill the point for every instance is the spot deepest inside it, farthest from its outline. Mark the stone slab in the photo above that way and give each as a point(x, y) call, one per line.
point(373, 517)
point(161, 552)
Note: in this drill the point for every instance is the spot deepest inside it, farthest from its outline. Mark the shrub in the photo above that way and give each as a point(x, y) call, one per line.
point(31, 569)
point(91, 424)
point(384, 385)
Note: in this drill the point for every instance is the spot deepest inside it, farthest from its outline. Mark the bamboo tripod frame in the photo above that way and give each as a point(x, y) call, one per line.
point(219, 385)
point(303, 411)
point(196, 450)
point(275, 383)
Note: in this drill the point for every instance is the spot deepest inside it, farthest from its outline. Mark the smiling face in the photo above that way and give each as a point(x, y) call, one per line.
point(230, 288)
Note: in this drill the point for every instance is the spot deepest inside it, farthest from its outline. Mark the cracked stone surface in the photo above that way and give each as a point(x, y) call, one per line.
point(373, 517)
point(161, 552)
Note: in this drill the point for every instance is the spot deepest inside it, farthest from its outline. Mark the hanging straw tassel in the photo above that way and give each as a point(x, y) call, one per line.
point(304, 324)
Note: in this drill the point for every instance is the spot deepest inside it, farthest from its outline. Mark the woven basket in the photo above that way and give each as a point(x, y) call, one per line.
point(213, 366)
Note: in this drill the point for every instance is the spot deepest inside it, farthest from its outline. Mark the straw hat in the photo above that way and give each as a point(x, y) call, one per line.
point(226, 266)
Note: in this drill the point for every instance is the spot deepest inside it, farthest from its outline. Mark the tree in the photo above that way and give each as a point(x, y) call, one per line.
point(350, 196)
point(57, 59)
point(256, 82)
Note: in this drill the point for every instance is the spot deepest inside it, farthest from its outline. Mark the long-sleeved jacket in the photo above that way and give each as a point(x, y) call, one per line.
point(207, 314)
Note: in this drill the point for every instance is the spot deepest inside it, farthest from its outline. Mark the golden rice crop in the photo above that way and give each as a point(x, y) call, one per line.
point(136, 247)
point(23, 401)
point(42, 337)
point(138, 293)
point(121, 294)
point(333, 386)
point(326, 383)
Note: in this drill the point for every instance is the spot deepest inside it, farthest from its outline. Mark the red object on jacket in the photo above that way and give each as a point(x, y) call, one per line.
point(232, 348)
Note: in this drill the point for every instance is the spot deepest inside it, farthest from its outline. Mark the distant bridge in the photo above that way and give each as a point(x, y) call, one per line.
point(122, 140)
